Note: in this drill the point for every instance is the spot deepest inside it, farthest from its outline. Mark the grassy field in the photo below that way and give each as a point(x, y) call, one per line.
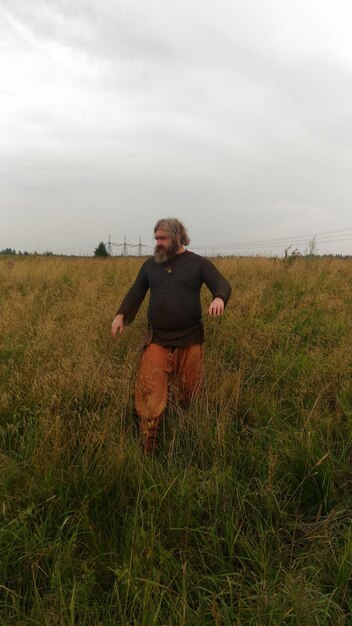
point(243, 517)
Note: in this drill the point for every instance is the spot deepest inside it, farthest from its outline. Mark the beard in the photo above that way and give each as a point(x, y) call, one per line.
point(164, 255)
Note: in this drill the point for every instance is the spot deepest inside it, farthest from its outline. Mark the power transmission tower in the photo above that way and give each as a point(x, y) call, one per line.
point(109, 246)
point(124, 249)
point(140, 251)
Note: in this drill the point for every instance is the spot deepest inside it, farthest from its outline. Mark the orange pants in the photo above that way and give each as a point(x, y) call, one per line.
point(156, 366)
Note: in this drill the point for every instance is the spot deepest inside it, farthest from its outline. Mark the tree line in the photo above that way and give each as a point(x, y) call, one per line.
point(100, 250)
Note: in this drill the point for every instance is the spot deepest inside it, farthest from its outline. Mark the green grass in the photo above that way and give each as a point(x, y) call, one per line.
point(242, 518)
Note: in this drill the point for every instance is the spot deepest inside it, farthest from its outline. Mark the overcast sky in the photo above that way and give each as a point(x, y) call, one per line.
point(235, 116)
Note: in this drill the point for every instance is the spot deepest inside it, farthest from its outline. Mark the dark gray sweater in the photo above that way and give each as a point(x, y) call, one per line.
point(174, 304)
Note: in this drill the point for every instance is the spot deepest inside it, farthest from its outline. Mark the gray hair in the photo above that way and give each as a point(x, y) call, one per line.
point(175, 229)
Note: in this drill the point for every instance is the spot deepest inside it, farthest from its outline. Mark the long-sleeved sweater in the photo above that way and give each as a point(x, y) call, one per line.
point(174, 311)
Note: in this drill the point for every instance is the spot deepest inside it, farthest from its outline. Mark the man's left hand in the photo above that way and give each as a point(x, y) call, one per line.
point(216, 307)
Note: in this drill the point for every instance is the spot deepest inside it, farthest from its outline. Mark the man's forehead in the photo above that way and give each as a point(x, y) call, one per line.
point(161, 233)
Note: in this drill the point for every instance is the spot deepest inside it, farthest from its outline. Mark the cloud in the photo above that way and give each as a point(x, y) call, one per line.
point(233, 108)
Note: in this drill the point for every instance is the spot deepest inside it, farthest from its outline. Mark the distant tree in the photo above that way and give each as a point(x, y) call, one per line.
point(312, 246)
point(101, 250)
point(7, 251)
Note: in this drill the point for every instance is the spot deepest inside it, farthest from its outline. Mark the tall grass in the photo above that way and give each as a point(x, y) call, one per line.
point(243, 517)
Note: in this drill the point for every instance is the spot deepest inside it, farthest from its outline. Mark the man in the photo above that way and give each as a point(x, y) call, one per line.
point(175, 333)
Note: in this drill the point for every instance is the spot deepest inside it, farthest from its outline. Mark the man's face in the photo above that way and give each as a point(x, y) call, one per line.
point(165, 249)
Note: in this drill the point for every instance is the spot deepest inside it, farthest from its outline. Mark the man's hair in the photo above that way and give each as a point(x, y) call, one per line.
point(175, 229)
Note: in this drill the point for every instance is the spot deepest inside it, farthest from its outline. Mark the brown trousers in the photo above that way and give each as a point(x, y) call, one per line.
point(157, 364)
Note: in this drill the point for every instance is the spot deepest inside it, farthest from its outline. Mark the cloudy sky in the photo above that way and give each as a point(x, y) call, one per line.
point(235, 116)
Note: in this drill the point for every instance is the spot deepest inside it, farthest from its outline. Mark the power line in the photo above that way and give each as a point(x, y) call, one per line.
point(266, 245)
point(282, 240)
point(258, 245)
point(343, 234)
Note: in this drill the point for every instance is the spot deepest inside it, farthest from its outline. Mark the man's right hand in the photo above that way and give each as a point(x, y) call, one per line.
point(117, 325)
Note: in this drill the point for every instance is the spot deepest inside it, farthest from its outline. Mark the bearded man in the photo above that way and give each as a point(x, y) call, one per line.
point(175, 339)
